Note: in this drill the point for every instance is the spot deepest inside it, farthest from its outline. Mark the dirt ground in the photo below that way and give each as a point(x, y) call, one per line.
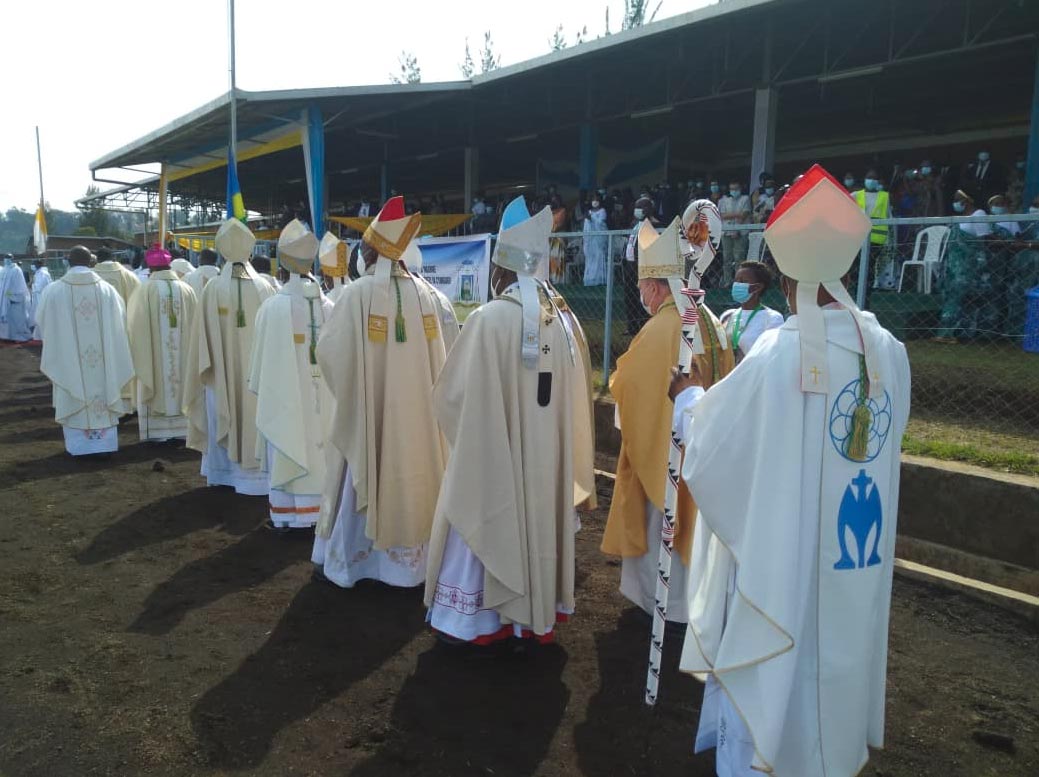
point(151, 626)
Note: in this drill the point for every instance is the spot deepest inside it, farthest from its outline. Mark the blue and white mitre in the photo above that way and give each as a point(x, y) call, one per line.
point(523, 248)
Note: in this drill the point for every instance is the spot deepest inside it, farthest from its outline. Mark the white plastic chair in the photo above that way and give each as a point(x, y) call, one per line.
point(755, 246)
point(937, 241)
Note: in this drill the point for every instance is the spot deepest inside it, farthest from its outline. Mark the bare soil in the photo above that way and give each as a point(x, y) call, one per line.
point(152, 626)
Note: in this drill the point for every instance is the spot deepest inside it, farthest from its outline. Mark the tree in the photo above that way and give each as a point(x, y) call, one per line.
point(93, 217)
point(488, 59)
point(635, 13)
point(467, 67)
point(558, 41)
point(410, 72)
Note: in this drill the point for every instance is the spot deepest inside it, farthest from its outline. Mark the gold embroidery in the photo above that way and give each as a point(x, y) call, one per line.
point(393, 250)
point(300, 339)
point(221, 311)
point(378, 326)
point(660, 271)
point(429, 323)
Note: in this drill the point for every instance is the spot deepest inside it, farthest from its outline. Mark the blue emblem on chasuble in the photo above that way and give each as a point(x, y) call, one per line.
point(859, 514)
point(842, 414)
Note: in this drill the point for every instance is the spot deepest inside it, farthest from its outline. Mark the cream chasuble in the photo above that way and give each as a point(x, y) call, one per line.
point(126, 283)
point(199, 277)
point(159, 320)
point(790, 585)
point(294, 405)
point(218, 359)
point(86, 354)
point(509, 488)
point(384, 426)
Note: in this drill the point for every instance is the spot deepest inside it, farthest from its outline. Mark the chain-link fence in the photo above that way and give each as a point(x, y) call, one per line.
point(956, 291)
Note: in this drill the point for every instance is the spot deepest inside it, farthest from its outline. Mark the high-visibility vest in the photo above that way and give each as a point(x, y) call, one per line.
point(878, 234)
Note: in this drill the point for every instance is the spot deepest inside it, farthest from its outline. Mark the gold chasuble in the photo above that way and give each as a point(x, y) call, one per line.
point(220, 349)
point(381, 352)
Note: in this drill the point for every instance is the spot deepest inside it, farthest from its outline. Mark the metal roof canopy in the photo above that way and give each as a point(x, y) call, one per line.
point(894, 74)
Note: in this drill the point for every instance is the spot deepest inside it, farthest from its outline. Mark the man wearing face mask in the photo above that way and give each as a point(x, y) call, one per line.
point(876, 203)
point(849, 182)
point(766, 202)
point(984, 177)
point(630, 268)
point(931, 201)
point(735, 209)
point(715, 191)
point(967, 276)
point(634, 524)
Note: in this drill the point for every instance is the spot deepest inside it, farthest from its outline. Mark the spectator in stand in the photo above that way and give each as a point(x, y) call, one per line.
point(766, 202)
point(745, 324)
point(759, 191)
point(714, 191)
point(595, 247)
point(966, 284)
point(999, 205)
point(877, 205)
point(1016, 185)
point(557, 247)
point(735, 209)
point(984, 177)
point(849, 181)
point(637, 315)
point(931, 197)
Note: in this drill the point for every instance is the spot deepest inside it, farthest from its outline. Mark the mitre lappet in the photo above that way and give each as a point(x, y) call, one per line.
point(389, 234)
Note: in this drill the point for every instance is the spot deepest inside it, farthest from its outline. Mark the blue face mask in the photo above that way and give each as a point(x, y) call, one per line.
point(769, 191)
point(715, 188)
point(959, 207)
point(998, 210)
point(925, 170)
point(735, 192)
point(740, 292)
point(872, 184)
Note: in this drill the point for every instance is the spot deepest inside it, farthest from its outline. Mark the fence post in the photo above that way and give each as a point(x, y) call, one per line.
point(607, 329)
point(860, 292)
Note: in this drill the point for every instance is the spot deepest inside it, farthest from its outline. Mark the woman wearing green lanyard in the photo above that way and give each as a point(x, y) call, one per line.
point(747, 323)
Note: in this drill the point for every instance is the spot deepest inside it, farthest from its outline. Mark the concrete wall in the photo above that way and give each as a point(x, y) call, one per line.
point(967, 508)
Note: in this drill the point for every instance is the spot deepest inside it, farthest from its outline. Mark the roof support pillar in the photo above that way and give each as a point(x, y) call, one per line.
point(588, 156)
point(471, 174)
point(384, 175)
point(763, 149)
point(1032, 165)
point(314, 159)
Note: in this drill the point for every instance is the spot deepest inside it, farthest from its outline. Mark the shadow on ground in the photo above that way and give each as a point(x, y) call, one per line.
point(327, 640)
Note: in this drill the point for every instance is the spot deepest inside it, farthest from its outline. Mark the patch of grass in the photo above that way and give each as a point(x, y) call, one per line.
point(1006, 461)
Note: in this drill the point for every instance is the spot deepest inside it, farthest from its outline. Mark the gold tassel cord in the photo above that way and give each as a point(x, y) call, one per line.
point(857, 444)
point(240, 320)
point(313, 334)
point(401, 332)
point(172, 314)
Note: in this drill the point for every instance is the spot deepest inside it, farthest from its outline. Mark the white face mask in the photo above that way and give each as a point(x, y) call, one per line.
point(983, 156)
point(639, 215)
point(595, 204)
point(642, 301)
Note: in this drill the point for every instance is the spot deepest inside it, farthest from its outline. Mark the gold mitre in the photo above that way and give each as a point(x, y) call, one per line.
point(391, 231)
point(660, 256)
point(332, 255)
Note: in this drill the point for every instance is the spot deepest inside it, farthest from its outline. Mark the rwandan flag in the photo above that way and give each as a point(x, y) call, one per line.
point(235, 204)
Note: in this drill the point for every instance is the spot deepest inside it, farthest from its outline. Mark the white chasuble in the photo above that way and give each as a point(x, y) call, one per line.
point(159, 320)
point(220, 409)
point(790, 580)
point(14, 305)
point(294, 405)
point(508, 497)
point(86, 356)
point(384, 427)
point(200, 276)
point(40, 281)
point(121, 279)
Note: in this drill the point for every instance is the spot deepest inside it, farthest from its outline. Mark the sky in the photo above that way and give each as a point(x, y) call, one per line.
point(96, 76)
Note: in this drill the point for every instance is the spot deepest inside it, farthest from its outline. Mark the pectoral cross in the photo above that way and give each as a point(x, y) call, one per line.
point(816, 372)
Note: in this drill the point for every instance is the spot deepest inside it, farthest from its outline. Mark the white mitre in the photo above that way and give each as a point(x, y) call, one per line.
point(297, 248)
point(332, 255)
point(814, 234)
point(234, 241)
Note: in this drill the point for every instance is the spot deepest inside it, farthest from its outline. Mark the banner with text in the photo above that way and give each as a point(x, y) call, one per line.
point(460, 267)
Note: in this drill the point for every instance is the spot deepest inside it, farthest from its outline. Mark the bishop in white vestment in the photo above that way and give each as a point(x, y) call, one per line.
point(41, 279)
point(159, 321)
point(124, 280)
point(293, 403)
point(204, 273)
point(14, 303)
point(381, 353)
point(510, 399)
point(221, 410)
point(790, 585)
point(85, 355)
point(449, 326)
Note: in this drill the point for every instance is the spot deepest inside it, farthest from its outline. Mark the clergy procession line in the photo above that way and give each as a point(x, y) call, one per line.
point(425, 453)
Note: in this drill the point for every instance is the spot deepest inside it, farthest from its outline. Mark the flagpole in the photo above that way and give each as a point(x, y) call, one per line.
point(39, 162)
point(231, 68)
